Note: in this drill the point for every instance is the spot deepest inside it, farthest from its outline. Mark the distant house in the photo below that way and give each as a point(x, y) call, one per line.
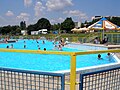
point(42, 31)
point(24, 32)
point(77, 24)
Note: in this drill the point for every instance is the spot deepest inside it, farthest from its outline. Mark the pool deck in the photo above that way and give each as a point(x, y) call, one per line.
point(104, 45)
point(107, 46)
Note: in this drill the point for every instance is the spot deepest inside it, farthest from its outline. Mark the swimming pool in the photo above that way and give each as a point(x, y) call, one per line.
point(34, 45)
point(48, 63)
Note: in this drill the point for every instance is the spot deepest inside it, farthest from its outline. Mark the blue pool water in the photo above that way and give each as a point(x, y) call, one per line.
point(32, 44)
point(46, 62)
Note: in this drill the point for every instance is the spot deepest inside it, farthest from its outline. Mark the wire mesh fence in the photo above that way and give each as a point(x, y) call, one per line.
point(101, 80)
point(28, 80)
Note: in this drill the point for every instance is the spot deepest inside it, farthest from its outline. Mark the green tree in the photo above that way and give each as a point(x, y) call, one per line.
point(6, 30)
point(43, 23)
point(115, 20)
point(0, 30)
point(56, 26)
point(15, 30)
point(68, 24)
point(10, 30)
point(23, 25)
point(30, 28)
point(82, 25)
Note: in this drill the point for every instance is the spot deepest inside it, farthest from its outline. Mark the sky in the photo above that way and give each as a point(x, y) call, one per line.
point(12, 12)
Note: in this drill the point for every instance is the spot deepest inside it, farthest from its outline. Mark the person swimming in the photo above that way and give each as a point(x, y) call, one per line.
point(44, 49)
point(55, 47)
point(7, 47)
point(24, 42)
point(99, 57)
point(109, 56)
point(38, 45)
point(11, 46)
point(37, 41)
point(43, 42)
point(24, 46)
point(38, 48)
point(60, 47)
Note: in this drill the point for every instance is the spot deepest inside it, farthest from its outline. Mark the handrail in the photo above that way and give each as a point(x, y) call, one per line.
point(36, 51)
point(97, 51)
point(73, 59)
point(59, 52)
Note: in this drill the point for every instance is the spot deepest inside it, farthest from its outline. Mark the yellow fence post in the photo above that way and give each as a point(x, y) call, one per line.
point(73, 73)
point(101, 37)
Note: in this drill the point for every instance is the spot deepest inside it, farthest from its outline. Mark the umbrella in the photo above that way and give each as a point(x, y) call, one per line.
point(83, 29)
point(74, 29)
point(80, 29)
point(118, 28)
point(103, 24)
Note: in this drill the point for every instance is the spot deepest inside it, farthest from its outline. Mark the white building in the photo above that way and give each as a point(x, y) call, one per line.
point(77, 24)
point(24, 32)
point(42, 31)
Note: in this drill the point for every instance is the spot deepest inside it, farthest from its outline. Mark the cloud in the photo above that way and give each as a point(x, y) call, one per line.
point(2, 20)
point(75, 13)
point(8, 21)
point(27, 3)
point(38, 8)
point(23, 16)
point(58, 20)
point(9, 13)
point(53, 5)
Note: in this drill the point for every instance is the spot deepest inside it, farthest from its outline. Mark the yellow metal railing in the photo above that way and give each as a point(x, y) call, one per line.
point(73, 59)
point(73, 64)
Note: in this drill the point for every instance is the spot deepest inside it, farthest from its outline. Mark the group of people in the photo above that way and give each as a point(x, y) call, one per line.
point(98, 41)
point(108, 56)
point(25, 46)
point(11, 46)
point(6, 39)
point(59, 45)
point(105, 40)
point(43, 42)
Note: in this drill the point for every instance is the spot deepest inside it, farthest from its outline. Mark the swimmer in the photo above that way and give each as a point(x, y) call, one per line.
point(43, 42)
point(109, 56)
point(24, 46)
point(11, 46)
point(37, 41)
point(7, 47)
point(55, 47)
point(44, 49)
point(38, 45)
point(39, 48)
point(60, 47)
point(99, 57)
point(24, 42)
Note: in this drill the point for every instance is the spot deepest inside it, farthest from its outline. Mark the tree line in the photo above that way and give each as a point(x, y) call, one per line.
point(44, 23)
point(115, 20)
